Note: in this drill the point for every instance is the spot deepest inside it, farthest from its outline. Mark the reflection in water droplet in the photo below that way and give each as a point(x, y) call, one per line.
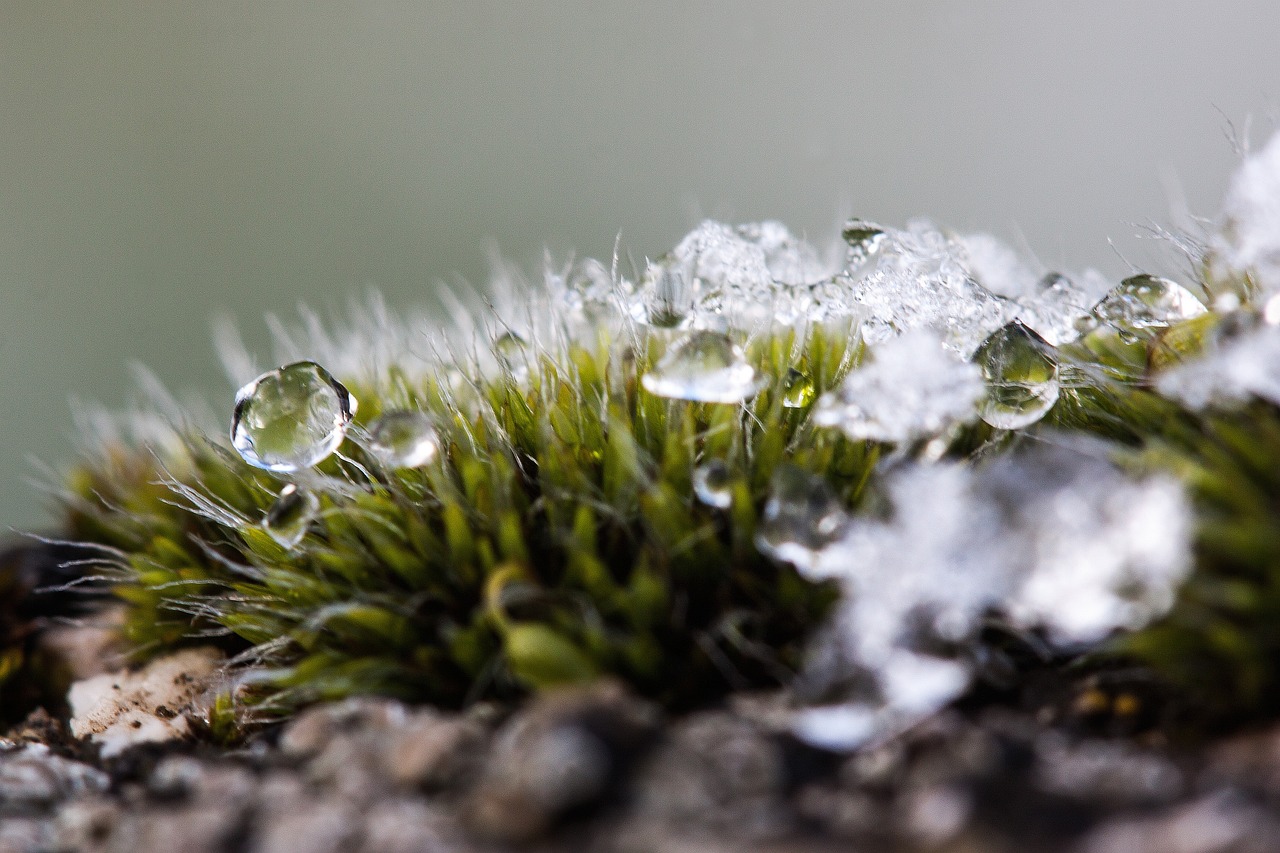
point(513, 354)
point(289, 517)
point(291, 418)
point(800, 519)
point(1146, 302)
point(713, 484)
point(707, 367)
point(1021, 375)
point(797, 389)
point(404, 439)
point(864, 239)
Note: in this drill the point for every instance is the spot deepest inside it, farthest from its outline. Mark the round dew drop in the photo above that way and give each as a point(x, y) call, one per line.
point(1020, 373)
point(797, 389)
point(291, 418)
point(705, 367)
point(289, 517)
point(713, 485)
point(404, 439)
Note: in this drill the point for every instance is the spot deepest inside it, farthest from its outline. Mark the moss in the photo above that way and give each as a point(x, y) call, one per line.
point(556, 538)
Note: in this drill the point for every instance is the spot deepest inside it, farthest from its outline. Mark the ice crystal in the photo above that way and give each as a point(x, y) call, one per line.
point(719, 277)
point(918, 278)
point(910, 389)
point(1054, 539)
point(1249, 239)
point(1235, 367)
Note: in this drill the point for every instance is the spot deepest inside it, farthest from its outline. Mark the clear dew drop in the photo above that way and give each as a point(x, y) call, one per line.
point(1144, 302)
point(513, 354)
point(797, 389)
point(290, 515)
point(864, 240)
point(801, 518)
point(404, 439)
point(1020, 372)
point(291, 418)
point(713, 484)
point(705, 367)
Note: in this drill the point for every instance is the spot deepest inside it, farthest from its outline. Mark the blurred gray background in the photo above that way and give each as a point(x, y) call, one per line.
point(161, 162)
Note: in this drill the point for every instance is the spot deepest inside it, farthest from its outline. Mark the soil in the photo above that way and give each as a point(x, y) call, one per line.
point(1060, 757)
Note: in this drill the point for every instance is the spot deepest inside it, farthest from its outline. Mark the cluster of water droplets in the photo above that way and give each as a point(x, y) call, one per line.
point(1055, 540)
point(957, 329)
point(291, 419)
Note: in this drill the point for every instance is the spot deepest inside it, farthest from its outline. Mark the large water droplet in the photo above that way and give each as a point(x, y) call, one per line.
point(706, 367)
point(404, 439)
point(801, 518)
point(911, 390)
point(289, 517)
point(1021, 375)
point(713, 484)
point(797, 389)
point(291, 418)
point(1146, 302)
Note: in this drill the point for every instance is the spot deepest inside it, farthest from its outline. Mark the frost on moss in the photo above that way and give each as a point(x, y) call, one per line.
point(624, 476)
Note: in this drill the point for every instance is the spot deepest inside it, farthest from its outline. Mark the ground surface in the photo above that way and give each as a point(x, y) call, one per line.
point(1067, 762)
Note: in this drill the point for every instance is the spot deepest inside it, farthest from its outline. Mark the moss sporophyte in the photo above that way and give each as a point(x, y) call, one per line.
point(748, 468)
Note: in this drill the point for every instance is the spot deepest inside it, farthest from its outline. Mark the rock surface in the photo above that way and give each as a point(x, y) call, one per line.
point(1073, 764)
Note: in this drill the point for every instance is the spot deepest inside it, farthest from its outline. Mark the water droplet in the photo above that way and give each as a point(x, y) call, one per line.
point(713, 484)
point(1146, 302)
point(513, 354)
point(665, 298)
point(291, 418)
point(706, 367)
point(864, 239)
point(289, 517)
point(1021, 375)
point(404, 439)
point(797, 389)
point(911, 390)
point(801, 518)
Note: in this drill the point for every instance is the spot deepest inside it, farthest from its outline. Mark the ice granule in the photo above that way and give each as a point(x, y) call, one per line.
point(918, 278)
point(720, 277)
point(1231, 371)
point(1055, 539)
point(1249, 239)
point(997, 267)
point(910, 389)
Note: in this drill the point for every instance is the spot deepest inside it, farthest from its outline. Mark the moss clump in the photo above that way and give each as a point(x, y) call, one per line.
point(556, 537)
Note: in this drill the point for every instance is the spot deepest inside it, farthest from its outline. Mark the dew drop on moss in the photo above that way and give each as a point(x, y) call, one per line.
point(404, 439)
point(706, 367)
point(291, 418)
point(801, 518)
point(713, 484)
point(513, 354)
point(290, 515)
point(1020, 372)
point(797, 389)
point(1143, 302)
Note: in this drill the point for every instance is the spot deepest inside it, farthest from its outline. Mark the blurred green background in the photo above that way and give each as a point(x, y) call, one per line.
point(161, 162)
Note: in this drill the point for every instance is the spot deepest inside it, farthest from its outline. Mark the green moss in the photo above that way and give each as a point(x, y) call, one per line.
point(555, 539)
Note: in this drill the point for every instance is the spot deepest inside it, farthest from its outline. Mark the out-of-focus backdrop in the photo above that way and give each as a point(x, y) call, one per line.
point(162, 162)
